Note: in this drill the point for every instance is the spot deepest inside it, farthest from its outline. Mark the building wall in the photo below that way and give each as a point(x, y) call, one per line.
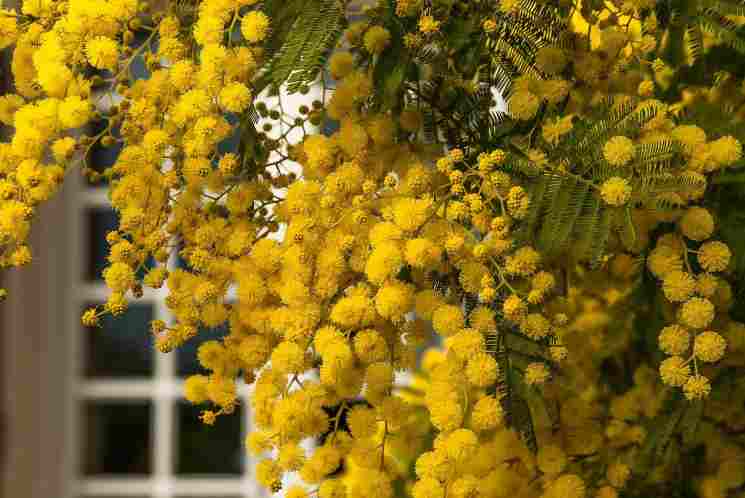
point(32, 352)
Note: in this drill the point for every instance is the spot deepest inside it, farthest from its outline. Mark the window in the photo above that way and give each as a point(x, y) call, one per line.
point(133, 434)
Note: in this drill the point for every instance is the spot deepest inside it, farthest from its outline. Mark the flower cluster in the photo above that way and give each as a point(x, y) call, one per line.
point(689, 281)
point(501, 260)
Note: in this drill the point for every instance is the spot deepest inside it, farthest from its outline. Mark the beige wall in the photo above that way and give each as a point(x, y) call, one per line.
point(32, 352)
point(34, 347)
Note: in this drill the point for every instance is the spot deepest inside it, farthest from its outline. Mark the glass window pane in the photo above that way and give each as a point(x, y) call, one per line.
point(186, 355)
point(100, 158)
point(117, 437)
point(100, 222)
point(122, 346)
point(208, 449)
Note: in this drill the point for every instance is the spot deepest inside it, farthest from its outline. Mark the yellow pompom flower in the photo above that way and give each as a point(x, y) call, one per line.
point(332, 488)
point(674, 340)
point(514, 308)
point(690, 137)
point(428, 25)
point(422, 253)
point(447, 319)
point(235, 97)
point(535, 326)
point(524, 262)
point(353, 311)
point(379, 377)
point(697, 223)
point(619, 150)
point(74, 112)
point(554, 129)
point(487, 414)
point(466, 344)
point(726, 151)
point(461, 445)
point(696, 313)
point(663, 260)
point(615, 191)
point(291, 457)
point(714, 256)
point(8, 27)
point(393, 300)
point(674, 371)
point(376, 39)
point(517, 202)
point(119, 277)
point(90, 318)
point(222, 391)
point(426, 302)
point(536, 373)
point(482, 319)
point(697, 387)
point(254, 351)
point(678, 286)
point(288, 358)
point(362, 422)
point(482, 370)
point(296, 492)
point(566, 486)
point(370, 346)
point(116, 304)
point(259, 441)
point(509, 6)
point(255, 26)
point(341, 64)
point(646, 88)
point(384, 261)
point(427, 487)
point(410, 214)
point(268, 474)
point(102, 52)
point(618, 474)
point(709, 346)
point(707, 285)
point(195, 389)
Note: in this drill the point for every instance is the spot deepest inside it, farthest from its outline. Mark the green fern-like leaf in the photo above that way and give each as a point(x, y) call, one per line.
point(715, 22)
point(299, 51)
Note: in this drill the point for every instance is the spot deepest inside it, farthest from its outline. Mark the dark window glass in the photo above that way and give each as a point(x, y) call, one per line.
point(100, 222)
point(232, 141)
point(122, 346)
point(186, 355)
point(118, 437)
point(208, 449)
point(100, 158)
